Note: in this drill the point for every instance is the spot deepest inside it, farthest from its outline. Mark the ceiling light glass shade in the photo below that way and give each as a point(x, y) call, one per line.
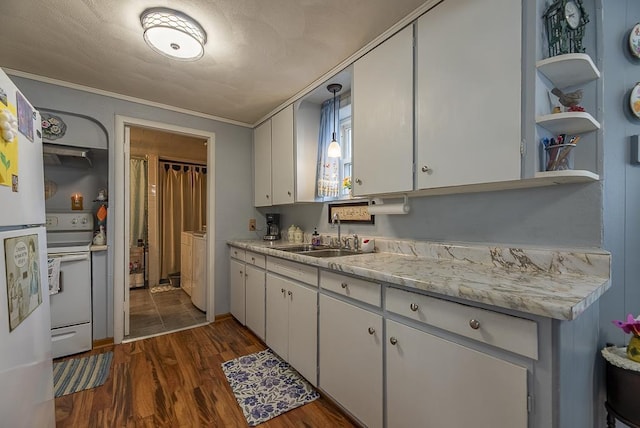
point(173, 34)
point(334, 150)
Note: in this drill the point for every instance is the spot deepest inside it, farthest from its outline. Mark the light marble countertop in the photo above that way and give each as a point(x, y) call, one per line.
point(553, 283)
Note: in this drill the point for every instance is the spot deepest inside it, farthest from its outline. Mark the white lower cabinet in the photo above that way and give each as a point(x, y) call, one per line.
point(435, 383)
point(255, 300)
point(236, 273)
point(351, 366)
point(292, 324)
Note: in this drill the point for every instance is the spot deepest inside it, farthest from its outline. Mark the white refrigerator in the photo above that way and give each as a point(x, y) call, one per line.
point(26, 379)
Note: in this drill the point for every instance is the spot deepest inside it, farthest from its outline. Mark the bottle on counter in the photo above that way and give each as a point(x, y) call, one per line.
point(315, 238)
point(291, 233)
point(298, 235)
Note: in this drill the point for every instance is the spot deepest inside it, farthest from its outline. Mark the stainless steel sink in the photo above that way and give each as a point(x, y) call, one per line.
point(330, 252)
point(322, 251)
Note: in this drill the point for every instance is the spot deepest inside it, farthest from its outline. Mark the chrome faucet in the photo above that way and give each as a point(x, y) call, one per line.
point(335, 219)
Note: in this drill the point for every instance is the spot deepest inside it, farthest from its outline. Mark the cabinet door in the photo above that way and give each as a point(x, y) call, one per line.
point(383, 117)
point(303, 330)
point(468, 100)
point(236, 273)
point(282, 164)
point(277, 328)
point(262, 164)
point(351, 359)
point(454, 387)
point(255, 300)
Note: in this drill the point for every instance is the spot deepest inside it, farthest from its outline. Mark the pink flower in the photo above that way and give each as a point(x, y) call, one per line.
point(631, 326)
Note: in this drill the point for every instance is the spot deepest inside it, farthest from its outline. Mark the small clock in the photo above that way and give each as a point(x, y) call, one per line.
point(565, 21)
point(572, 14)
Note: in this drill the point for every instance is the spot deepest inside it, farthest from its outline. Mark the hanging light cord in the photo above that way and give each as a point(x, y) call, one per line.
point(334, 116)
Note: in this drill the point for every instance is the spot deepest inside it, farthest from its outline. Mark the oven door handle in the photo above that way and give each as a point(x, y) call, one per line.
point(73, 258)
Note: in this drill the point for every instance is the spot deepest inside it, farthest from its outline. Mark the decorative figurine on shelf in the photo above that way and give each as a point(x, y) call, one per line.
point(565, 21)
point(570, 99)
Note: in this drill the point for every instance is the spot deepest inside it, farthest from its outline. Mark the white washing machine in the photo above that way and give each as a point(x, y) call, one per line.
point(199, 281)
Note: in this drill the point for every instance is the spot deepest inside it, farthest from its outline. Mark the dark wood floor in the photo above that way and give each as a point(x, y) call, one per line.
point(176, 380)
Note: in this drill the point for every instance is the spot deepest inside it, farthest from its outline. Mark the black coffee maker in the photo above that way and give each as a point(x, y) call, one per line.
point(273, 227)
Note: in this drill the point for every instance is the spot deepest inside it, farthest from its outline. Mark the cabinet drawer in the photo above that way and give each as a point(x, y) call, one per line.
point(514, 334)
point(258, 260)
point(359, 289)
point(298, 271)
point(237, 253)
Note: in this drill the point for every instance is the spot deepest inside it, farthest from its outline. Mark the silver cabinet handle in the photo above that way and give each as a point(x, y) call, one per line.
point(358, 181)
point(267, 196)
point(372, 330)
point(426, 169)
point(393, 340)
point(240, 272)
point(289, 193)
point(344, 285)
point(289, 293)
point(474, 324)
point(282, 290)
point(413, 307)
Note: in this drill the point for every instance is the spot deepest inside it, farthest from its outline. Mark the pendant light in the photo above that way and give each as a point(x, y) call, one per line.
point(173, 34)
point(334, 148)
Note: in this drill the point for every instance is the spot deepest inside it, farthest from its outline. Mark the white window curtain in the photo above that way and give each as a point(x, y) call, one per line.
point(328, 169)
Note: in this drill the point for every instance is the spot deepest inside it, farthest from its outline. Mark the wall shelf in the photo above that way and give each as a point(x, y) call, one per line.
point(568, 123)
point(566, 176)
point(569, 69)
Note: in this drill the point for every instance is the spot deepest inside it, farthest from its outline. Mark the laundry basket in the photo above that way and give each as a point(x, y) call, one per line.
point(174, 279)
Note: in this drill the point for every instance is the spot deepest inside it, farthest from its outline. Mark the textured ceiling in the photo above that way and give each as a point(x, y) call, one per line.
point(259, 53)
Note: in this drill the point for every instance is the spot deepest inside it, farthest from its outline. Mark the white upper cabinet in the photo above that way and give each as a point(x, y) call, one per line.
point(282, 163)
point(262, 164)
point(468, 93)
point(382, 96)
point(273, 160)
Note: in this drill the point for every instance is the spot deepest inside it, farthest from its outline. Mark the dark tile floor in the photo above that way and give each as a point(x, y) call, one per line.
point(154, 313)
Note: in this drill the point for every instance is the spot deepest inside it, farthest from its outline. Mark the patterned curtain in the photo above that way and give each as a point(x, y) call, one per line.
point(328, 169)
point(138, 201)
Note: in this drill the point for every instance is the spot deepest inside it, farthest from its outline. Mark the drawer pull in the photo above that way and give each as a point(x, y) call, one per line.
point(282, 290)
point(372, 330)
point(289, 293)
point(413, 307)
point(393, 340)
point(246, 275)
point(253, 259)
point(474, 324)
point(344, 285)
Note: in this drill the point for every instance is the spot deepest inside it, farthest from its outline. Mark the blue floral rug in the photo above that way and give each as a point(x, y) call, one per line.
point(265, 386)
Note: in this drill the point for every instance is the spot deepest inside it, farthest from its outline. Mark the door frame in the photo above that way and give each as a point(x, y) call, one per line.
point(119, 209)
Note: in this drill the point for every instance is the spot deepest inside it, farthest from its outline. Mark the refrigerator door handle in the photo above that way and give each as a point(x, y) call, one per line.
point(74, 258)
point(60, 283)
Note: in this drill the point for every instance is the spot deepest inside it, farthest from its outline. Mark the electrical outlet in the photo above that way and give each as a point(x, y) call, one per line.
point(252, 224)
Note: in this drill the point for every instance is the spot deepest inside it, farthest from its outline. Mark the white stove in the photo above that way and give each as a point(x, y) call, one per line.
point(69, 236)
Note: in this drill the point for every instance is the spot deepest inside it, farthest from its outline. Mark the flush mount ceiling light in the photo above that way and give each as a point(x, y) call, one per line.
point(334, 150)
point(173, 34)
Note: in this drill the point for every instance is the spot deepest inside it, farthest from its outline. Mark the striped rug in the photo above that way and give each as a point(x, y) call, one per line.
point(78, 374)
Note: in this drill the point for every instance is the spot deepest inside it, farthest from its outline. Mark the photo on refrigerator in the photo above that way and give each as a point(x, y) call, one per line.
point(24, 291)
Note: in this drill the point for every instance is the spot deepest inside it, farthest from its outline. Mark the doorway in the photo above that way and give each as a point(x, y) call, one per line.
point(167, 213)
point(147, 155)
